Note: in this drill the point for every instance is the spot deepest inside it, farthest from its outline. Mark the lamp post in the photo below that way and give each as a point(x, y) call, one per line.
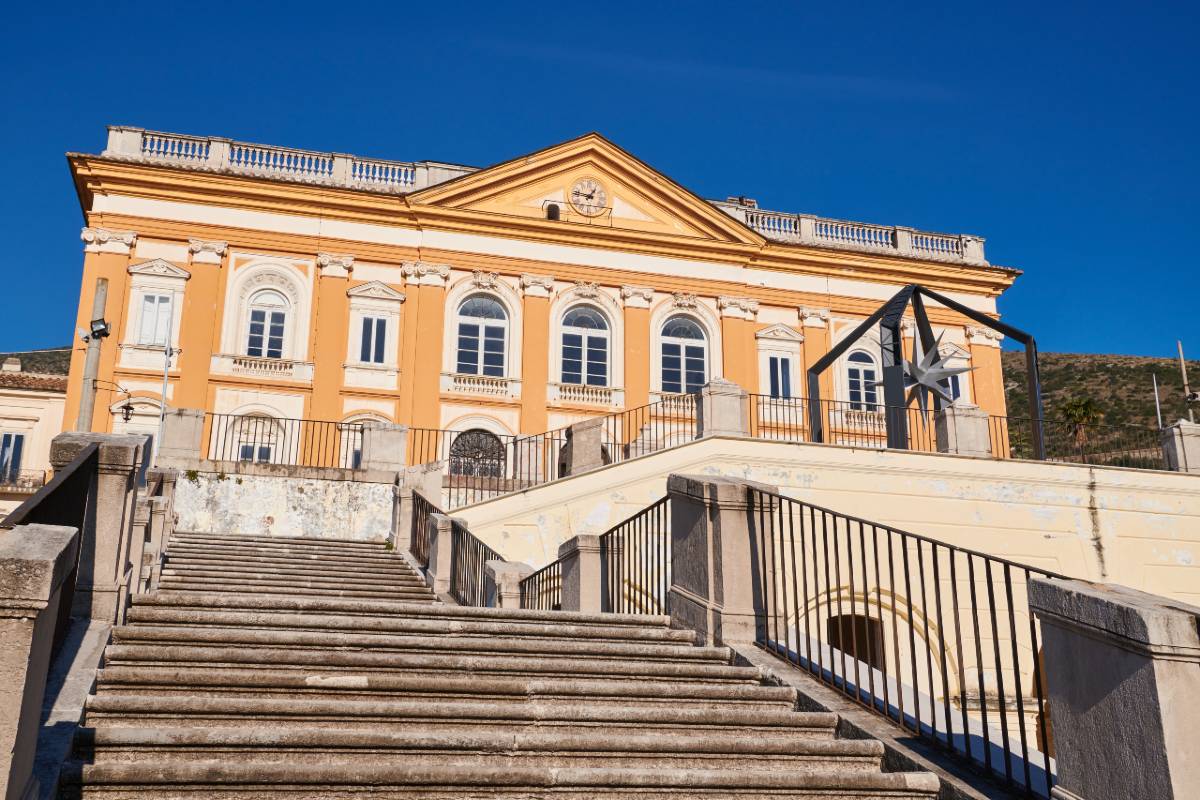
point(99, 329)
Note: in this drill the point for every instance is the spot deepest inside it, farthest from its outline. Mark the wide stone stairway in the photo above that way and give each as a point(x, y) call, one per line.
point(303, 668)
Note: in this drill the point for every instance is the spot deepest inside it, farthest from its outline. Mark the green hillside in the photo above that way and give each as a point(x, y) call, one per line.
point(1120, 385)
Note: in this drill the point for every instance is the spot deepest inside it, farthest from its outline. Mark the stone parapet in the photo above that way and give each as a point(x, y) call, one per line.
point(1181, 446)
point(581, 574)
point(502, 582)
point(962, 429)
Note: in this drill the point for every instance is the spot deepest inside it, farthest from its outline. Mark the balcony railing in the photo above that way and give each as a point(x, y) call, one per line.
point(256, 367)
point(215, 154)
point(292, 442)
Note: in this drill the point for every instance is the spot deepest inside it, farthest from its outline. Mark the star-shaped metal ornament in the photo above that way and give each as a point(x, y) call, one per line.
point(926, 374)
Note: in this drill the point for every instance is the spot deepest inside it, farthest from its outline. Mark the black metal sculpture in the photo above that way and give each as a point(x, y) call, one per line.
point(888, 318)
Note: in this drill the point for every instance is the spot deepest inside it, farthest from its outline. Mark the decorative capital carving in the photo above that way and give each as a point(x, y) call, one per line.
point(908, 327)
point(814, 317)
point(206, 252)
point(586, 289)
point(983, 336)
point(102, 240)
point(637, 296)
point(683, 300)
point(738, 307)
point(484, 280)
point(335, 266)
point(159, 268)
point(537, 285)
point(375, 290)
point(424, 273)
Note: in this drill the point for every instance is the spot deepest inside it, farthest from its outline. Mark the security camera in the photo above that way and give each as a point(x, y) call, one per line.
point(1192, 397)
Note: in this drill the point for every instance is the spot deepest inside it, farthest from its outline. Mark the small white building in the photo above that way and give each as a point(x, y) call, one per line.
point(33, 389)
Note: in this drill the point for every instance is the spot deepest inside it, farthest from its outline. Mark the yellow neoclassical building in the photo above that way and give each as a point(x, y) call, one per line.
point(517, 298)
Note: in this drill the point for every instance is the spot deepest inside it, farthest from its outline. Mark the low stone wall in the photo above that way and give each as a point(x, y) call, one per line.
point(1140, 528)
point(286, 501)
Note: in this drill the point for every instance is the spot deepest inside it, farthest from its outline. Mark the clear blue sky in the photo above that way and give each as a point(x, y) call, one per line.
point(1066, 134)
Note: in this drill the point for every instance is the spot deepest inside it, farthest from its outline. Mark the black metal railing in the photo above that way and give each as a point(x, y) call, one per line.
point(669, 422)
point(422, 509)
point(937, 638)
point(543, 589)
point(68, 499)
point(1134, 446)
point(853, 424)
point(273, 440)
point(479, 465)
point(635, 562)
point(468, 558)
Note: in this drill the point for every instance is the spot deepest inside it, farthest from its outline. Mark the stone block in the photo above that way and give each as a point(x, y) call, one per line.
point(581, 574)
point(723, 409)
point(502, 582)
point(962, 429)
point(584, 449)
point(182, 438)
point(384, 447)
point(1181, 446)
point(441, 553)
point(1122, 670)
point(36, 563)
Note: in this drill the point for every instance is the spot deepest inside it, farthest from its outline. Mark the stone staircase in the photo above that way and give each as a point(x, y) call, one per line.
point(301, 668)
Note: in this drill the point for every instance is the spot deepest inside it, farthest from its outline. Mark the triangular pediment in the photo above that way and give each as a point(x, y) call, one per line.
point(159, 268)
point(780, 333)
point(635, 196)
point(376, 290)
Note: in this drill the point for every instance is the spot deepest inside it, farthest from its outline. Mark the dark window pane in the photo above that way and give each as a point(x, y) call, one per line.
point(785, 377)
point(364, 353)
point(380, 340)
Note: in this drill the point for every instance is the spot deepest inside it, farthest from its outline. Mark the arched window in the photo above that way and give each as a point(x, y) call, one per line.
point(684, 355)
point(259, 439)
point(482, 335)
point(858, 636)
point(266, 324)
point(861, 377)
point(477, 453)
point(585, 347)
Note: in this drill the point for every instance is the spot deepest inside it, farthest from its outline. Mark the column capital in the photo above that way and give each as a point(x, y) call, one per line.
point(684, 300)
point(536, 285)
point(738, 307)
point(813, 317)
point(207, 252)
point(484, 280)
point(424, 273)
point(986, 337)
point(102, 240)
point(335, 265)
point(637, 296)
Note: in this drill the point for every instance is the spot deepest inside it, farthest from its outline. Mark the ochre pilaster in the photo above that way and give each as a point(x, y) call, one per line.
point(331, 320)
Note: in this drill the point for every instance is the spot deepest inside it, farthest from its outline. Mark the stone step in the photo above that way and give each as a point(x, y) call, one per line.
point(179, 585)
point(238, 563)
point(350, 607)
point(384, 662)
point(331, 578)
point(430, 626)
point(369, 685)
point(437, 747)
point(227, 539)
point(384, 558)
point(546, 648)
point(155, 710)
point(218, 780)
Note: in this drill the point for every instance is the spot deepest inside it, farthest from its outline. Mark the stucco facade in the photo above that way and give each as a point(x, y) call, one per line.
point(306, 292)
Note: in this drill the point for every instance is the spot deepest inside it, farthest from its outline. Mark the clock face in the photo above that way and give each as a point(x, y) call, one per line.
point(588, 197)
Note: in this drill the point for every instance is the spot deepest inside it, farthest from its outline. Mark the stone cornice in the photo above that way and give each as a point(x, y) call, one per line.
point(983, 336)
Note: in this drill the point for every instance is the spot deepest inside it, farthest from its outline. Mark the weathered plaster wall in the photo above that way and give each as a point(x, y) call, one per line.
point(1135, 527)
point(263, 505)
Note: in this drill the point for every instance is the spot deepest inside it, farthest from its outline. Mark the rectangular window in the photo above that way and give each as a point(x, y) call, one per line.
point(11, 445)
point(672, 367)
point(468, 348)
point(374, 340)
point(266, 334)
point(781, 376)
point(260, 453)
point(156, 319)
point(572, 370)
point(597, 361)
point(693, 358)
point(493, 351)
point(955, 387)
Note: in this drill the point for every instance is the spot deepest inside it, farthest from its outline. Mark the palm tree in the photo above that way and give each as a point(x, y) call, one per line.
point(1079, 413)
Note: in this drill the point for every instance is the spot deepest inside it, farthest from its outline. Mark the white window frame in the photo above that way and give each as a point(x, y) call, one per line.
point(8, 442)
point(463, 286)
point(852, 367)
point(585, 334)
point(783, 343)
point(701, 311)
point(256, 302)
point(663, 340)
point(252, 274)
point(483, 323)
point(139, 348)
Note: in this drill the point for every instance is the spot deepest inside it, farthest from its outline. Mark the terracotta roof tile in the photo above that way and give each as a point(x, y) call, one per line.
point(33, 380)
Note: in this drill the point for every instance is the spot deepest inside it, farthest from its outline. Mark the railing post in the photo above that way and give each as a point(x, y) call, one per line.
point(340, 176)
point(584, 449)
point(441, 553)
point(183, 431)
point(502, 582)
point(123, 142)
point(904, 241)
point(1123, 670)
point(1181, 446)
point(422, 479)
point(140, 549)
point(36, 562)
point(109, 556)
point(384, 447)
point(218, 153)
point(723, 409)
point(721, 557)
point(962, 429)
point(581, 573)
point(972, 250)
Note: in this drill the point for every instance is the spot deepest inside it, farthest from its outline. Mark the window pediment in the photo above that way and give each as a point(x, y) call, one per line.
point(780, 333)
point(159, 268)
point(376, 290)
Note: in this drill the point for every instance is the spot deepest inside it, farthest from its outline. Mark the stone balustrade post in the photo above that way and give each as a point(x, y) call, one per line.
point(425, 479)
point(384, 447)
point(502, 582)
point(140, 548)
point(723, 409)
point(717, 560)
point(582, 574)
point(36, 565)
point(123, 142)
point(340, 174)
point(904, 241)
point(972, 250)
point(110, 559)
point(155, 544)
point(1181, 446)
point(218, 152)
point(182, 438)
point(1122, 670)
point(584, 449)
point(441, 553)
point(963, 429)
point(808, 229)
